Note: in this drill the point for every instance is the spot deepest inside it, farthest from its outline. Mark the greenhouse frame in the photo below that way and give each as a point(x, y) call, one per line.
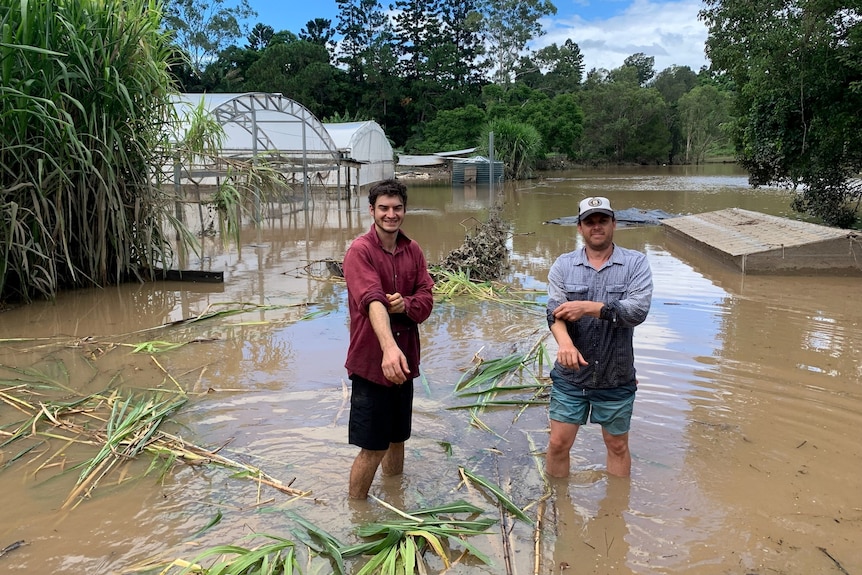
point(284, 135)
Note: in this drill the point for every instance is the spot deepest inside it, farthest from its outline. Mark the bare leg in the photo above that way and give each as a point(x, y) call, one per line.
point(362, 472)
point(393, 461)
point(560, 443)
point(619, 456)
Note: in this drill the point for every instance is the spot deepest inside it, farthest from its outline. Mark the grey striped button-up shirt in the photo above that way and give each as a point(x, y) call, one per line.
point(624, 285)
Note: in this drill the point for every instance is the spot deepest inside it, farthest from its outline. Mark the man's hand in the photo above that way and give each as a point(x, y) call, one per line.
point(575, 310)
point(396, 303)
point(569, 356)
point(394, 365)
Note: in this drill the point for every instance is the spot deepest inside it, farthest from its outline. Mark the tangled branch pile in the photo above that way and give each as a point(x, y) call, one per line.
point(483, 256)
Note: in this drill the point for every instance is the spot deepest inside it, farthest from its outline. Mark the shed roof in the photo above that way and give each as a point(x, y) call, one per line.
point(760, 243)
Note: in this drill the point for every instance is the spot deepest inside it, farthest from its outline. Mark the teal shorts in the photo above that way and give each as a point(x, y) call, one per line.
point(571, 404)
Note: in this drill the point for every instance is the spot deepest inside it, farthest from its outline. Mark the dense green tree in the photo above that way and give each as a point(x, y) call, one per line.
point(363, 27)
point(510, 25)
point(623, 122)
point(416, 32)
point(563, 67)
point(462, 29)
point(227, 73)
point(433, 41)
point(563, 126)
point(203, 28)
point(384, 95)
point(457, 129)
point(645, 66)
point(559, 120)
point(673, 83)
point(704, 115)
point(318, 31)
point(282, 37)
point(797, 68)
point(301, 71)
point(528, 72)
point(421, 56)
point(259, 37)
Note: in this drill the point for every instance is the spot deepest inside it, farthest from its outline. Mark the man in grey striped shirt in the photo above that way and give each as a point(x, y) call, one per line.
point(597, 294)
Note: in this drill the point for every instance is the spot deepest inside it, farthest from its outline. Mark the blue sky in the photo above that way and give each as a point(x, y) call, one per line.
point(607, 31)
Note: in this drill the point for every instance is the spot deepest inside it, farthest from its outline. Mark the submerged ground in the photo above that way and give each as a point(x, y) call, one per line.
point(743, 436)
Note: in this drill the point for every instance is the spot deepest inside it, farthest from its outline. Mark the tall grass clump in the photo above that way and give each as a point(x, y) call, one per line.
point(518, 145)
point(84, 101)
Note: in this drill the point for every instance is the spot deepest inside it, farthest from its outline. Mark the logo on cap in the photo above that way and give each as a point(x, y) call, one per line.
point(594, 202)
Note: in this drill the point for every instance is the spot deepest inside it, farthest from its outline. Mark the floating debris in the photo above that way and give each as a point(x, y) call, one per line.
point(483, 256)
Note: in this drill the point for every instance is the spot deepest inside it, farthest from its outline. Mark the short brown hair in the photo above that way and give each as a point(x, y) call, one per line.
point(390, 187)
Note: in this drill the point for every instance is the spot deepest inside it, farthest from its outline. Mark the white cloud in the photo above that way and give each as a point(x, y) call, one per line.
point(668, 31)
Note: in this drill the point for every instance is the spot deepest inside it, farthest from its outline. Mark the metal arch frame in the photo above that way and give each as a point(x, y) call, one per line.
point(241, 110)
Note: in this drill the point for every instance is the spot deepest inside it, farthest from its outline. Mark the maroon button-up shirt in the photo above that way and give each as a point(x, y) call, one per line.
point(371, 272)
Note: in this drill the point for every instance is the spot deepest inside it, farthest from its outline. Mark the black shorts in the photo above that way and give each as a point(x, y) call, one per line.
point(379, 415)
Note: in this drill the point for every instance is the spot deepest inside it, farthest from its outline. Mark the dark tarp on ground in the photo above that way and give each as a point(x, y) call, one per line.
point(625, 218)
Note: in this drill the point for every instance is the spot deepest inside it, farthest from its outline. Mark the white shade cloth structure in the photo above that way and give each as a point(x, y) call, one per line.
point(367, 144)
point(288, 137)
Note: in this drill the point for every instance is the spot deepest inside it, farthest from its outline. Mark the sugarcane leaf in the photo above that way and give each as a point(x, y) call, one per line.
point(408, 555)
point(393, 536)
point(212, 523)
point(501, 497)
point(375, 562)
point(434, 542)
point(459, 506)
point(473, 550)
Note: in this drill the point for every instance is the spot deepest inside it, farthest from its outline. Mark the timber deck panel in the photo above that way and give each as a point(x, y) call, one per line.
point(761, 243)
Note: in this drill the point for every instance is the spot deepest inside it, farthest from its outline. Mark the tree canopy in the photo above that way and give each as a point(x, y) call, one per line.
point(797, 67)
point(426, 65)
point(202, 28)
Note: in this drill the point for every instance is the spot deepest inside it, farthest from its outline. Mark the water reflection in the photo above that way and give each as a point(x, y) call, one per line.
point(743, 436)
point(591, 540)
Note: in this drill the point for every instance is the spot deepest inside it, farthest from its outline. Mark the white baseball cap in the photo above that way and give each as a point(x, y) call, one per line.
point(594, 205)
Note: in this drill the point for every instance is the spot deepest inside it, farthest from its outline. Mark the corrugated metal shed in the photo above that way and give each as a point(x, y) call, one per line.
point(759, 243)
point(476, 170)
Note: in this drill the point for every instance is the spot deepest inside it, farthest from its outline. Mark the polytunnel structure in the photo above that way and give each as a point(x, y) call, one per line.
point(282, 133)
point(367, 145)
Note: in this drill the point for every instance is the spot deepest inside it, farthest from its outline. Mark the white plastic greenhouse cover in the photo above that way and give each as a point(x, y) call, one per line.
point(293, 140)
point(366, 143)
point(255, 123)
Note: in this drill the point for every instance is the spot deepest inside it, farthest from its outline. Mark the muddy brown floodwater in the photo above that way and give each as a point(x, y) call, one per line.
point(745, 439)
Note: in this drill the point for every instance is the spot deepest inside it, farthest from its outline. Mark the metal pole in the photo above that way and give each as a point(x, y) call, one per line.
point(491, 166)
point(257, 210)
point(178, 191)
point(304, 168)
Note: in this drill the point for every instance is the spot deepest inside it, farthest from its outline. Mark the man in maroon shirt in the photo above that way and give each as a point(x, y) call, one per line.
point(389, 295)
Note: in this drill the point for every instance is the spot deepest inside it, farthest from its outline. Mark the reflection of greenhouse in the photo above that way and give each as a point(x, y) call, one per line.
point(275, 131)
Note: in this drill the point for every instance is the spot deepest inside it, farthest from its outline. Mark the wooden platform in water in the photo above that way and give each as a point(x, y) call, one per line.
point(762, 244)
